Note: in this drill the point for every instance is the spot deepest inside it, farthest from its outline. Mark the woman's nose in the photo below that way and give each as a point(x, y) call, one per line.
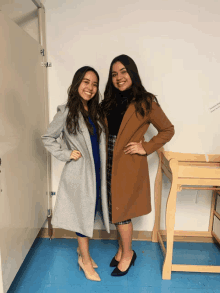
point(118, 76)
point(90, 86)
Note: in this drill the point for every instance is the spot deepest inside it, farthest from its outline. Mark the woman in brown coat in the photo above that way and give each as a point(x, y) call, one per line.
point(130, 109)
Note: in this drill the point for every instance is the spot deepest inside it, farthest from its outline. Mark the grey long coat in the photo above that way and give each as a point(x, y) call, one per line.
point(76, 196)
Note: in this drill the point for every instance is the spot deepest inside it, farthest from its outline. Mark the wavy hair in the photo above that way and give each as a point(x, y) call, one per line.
point(75, 105)
point(141, 96)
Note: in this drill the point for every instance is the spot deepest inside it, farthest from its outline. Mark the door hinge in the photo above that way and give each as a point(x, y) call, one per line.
point(46, 64)
point(49, 214)
point(42, 52)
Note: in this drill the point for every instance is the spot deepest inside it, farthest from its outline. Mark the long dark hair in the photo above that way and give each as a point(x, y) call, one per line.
point(75, 105)
point(141, 96)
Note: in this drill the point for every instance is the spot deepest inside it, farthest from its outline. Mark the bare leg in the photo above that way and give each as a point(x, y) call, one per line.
point(83, 243)
point(119, 252)
point(125, 244)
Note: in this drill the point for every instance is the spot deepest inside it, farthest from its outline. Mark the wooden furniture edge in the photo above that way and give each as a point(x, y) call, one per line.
point(161, 244)
point(188, 233)
point(189, 157)
point(195, 268)
point(216, 237)
point(217, 215)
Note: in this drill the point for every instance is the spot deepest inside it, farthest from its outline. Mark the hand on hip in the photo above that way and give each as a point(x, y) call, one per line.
point(75, 155)
point(134, 148)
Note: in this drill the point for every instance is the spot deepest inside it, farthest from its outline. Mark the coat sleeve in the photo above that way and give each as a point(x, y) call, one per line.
point(53, 133)
point(164, 127)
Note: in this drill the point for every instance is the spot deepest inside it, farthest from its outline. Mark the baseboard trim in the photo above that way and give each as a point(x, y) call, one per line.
point(137, 235)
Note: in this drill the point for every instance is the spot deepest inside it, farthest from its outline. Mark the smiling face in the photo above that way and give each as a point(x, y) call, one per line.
point(88, 86)
point(120, 77)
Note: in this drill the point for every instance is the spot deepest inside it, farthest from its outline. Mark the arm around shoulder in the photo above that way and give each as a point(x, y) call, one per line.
point(164, 127)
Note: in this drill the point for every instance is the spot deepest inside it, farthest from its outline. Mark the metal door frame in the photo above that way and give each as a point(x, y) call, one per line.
point(42, 41)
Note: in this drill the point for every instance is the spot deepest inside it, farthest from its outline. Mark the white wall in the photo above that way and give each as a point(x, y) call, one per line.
point(175, 45)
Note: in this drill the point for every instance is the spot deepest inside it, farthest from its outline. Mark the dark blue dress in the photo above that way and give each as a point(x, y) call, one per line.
point(96, 157)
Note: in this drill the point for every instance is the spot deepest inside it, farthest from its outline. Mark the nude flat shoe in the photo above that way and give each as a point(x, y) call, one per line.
point(93, 263)
point(89, 276)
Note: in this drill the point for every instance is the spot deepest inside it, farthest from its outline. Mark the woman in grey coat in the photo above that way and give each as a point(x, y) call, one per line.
point(81, 127)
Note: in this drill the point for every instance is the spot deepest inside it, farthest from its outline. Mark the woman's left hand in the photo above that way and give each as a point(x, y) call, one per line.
point(134, 148)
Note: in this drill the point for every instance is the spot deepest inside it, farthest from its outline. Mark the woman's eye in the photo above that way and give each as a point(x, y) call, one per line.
point(124, 71)
point(113, 75)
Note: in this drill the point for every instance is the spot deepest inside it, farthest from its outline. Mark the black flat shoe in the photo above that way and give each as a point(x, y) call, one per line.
point(118, 273)
point(114, 262)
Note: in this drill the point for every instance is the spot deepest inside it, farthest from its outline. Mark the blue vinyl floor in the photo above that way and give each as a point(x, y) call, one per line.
point(51, 266)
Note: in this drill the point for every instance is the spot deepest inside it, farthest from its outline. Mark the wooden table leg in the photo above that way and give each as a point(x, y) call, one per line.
point(170, 221)
point(157, 200)
point(212, 210)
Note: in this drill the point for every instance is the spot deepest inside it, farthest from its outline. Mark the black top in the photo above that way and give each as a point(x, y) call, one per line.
point(116, 115)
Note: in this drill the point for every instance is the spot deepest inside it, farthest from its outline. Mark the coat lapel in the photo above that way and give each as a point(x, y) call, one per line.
point(127, 116)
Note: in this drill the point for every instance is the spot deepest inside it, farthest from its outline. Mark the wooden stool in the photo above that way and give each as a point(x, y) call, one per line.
point(184, 170)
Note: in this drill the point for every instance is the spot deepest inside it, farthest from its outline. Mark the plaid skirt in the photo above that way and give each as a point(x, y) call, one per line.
point(111, 143)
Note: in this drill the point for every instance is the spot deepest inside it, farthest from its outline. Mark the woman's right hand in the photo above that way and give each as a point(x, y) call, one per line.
point(75, 155)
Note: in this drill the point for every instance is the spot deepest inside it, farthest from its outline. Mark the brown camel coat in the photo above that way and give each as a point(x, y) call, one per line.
point(130, 184)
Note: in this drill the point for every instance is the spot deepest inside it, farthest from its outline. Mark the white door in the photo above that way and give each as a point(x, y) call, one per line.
point(23, 176)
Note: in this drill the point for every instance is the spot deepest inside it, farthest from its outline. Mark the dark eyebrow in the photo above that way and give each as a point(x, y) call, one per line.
point(120, 70)
point(89, 80)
